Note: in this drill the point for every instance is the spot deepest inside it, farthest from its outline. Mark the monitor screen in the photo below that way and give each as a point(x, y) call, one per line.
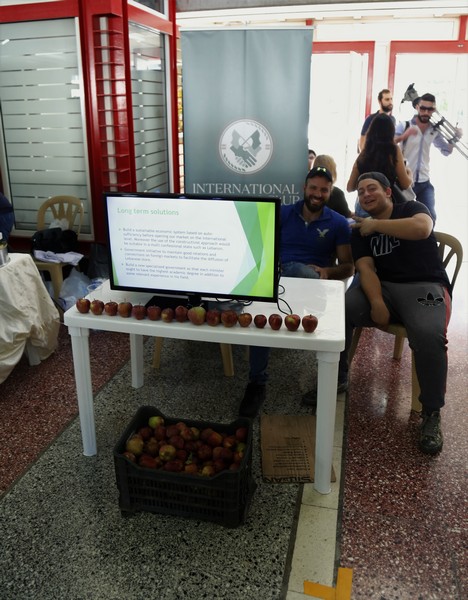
point(192, 246)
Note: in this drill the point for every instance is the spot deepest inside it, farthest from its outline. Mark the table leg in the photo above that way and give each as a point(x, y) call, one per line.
point(136, 359)
point(32, 354)
point(84, 389)
point(325, 423)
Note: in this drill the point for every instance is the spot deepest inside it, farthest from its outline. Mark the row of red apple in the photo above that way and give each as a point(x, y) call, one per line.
point(196, 315)
point(180, 448)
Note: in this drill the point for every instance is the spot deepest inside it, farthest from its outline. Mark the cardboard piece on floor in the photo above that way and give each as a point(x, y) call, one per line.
point(288, 448)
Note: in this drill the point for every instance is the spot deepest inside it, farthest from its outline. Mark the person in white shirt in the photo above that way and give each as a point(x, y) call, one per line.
point(416, 137)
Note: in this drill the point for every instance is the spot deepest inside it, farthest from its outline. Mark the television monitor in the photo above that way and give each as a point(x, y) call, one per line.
point(184, 247)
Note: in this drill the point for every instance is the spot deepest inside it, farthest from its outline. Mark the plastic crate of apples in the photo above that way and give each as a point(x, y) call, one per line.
point(186, 468)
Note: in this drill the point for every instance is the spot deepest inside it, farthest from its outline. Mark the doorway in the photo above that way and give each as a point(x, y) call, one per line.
point(337, 108)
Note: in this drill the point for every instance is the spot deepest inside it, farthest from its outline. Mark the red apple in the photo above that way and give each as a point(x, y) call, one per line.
point(275, 321)
point(213, 317)
point(260, 321)
point(96, 307)
point(309, 323)
point(172, 430)
point(167, 452)
point(135, 445)
point(110, 308)
point(167, 315)
point(191, 468)
point(228, 318)
point(226, 454)
point(151, 447)
point(215, 439)
point(180, 313)
point(130, 456)
point(160, 432)
point(241, 434)
point(204, 452)
point(187, 434)
point(217, 452)
point(292, 322)
point(177, 441)
point(175, 466)
point(125, 309)
point(83, 304)
point(153, 312)
point(238, 456)
point(146, 461)
point(229, 441)
point(197, 315)
point(205, 433)
point(145, 432)
point(207, 471)
point(139, 311)
point(244, 319)
point(219, 465)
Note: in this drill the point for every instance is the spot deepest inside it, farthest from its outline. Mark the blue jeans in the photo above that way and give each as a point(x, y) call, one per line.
point(297, 269)
point(425, 194)
point(258, 362)
point(7, 220)
point(259, 355)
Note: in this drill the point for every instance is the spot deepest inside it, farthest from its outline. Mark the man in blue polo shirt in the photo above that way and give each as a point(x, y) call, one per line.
point(315, 244)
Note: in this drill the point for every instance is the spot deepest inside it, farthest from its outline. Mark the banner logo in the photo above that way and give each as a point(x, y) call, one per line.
point(246, 146)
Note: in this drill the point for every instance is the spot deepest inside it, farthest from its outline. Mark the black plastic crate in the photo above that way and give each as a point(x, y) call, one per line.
point(223, 498)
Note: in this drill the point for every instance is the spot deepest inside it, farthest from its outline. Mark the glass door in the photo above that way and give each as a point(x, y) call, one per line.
point(337, 108)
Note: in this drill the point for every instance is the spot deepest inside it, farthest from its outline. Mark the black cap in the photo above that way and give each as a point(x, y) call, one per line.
point(380, 177)
point(320, 172)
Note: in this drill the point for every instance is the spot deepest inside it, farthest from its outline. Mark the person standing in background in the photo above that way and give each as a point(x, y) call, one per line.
point(385, 100)
point(311, 158)
point(7, 217)
point(416, 137)
point(381, 154)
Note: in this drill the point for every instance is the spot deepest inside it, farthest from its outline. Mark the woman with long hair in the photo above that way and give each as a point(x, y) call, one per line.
point(382, 154)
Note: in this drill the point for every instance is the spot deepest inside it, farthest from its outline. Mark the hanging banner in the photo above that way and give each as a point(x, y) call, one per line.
point(246, 111)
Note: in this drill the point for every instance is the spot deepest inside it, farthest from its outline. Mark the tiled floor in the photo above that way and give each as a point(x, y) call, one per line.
point(395, 517)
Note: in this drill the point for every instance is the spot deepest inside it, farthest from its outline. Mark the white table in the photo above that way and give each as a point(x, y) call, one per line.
point(325, 299)
point(29, 321)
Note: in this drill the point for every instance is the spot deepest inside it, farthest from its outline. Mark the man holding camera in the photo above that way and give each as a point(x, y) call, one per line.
point(416, 137)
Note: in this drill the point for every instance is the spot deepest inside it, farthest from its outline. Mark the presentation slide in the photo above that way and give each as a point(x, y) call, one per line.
point(196, 245)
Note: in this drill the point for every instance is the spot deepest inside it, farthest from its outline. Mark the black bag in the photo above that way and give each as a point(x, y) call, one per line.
point(55, 240)
point(98, 262)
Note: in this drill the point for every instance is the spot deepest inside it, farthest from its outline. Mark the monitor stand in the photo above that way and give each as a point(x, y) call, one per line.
point(174, 301)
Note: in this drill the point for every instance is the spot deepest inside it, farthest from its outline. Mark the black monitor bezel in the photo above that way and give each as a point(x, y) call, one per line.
point(194, 297)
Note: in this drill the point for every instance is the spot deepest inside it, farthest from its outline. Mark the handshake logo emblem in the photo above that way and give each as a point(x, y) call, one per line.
point(245, 146)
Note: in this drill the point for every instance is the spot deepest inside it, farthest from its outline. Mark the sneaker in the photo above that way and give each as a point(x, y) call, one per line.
point(253, 399)
point(342, 386)
point(309, 399)
point(430, 438)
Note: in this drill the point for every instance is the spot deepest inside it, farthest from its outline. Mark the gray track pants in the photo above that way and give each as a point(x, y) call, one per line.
point(424, 309)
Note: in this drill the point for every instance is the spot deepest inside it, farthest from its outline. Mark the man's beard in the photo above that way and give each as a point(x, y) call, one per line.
point(313, 208)
point(387, 109)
